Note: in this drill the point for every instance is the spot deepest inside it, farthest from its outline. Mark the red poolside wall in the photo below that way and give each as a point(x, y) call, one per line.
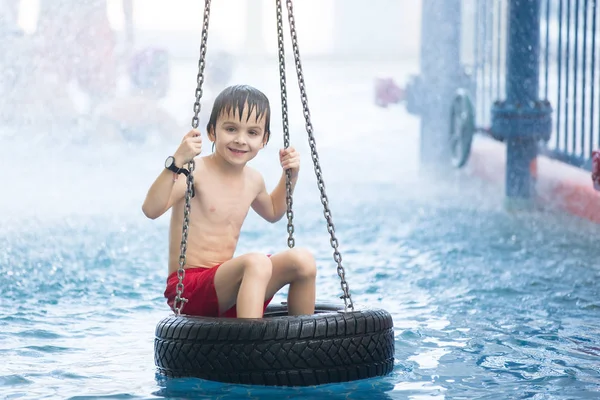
point(557, 184)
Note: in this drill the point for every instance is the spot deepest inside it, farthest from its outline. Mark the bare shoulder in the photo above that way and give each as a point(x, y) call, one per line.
point(199, 172)
point(200, 166)
point(254, 177)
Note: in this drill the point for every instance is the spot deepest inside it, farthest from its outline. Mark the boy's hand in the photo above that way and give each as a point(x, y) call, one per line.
point(290, 159)
point(190, 147)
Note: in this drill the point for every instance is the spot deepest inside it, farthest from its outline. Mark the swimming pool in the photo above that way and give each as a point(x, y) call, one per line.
point(486, 304)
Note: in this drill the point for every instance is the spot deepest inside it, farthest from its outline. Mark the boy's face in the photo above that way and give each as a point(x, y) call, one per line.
point(239, 139)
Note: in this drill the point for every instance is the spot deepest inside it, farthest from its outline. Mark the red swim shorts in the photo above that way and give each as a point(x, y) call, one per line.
point(199, 290)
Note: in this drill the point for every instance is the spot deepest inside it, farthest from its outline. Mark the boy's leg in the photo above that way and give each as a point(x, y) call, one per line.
point(243, 281)
point(298, 268)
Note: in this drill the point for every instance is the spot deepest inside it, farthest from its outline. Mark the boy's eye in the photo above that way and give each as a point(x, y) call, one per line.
point(253, 133)
point(230, 129)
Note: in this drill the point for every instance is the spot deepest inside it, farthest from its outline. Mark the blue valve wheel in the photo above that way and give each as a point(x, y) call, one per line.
point(462, 128)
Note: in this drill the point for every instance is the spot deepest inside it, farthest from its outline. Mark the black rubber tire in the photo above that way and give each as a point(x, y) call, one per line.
point(278, 350)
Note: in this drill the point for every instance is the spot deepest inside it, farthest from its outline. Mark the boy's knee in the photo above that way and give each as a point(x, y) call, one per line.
point(258, 265)
point(305, 262)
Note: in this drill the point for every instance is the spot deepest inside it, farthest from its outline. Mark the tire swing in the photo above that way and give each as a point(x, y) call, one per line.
point(336, 344)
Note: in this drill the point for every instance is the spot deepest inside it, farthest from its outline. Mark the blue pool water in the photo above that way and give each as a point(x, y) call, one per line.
point(486, 304)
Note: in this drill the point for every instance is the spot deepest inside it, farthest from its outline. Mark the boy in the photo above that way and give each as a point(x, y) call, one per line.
point(215, 283)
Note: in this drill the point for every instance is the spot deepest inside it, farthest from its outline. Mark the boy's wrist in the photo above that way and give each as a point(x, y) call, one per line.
point(173, 165)
point(177, 160)
point(293, 174)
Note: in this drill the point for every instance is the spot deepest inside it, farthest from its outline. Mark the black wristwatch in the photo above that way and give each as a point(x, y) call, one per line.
point(170, 165)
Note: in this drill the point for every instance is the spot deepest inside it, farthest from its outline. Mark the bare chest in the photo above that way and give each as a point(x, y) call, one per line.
point(225, 202)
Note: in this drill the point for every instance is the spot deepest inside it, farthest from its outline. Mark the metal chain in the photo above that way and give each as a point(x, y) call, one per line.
point(284, 120)
point(179, 299)
point(201, 64)
point(313, 148)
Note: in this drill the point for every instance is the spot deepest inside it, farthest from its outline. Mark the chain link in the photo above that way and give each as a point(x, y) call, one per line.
point(315, 157)
point(179, 299)
point(286, 130)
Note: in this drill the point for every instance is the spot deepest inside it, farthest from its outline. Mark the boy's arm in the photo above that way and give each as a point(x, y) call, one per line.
point(166, 191)
point(272, 206)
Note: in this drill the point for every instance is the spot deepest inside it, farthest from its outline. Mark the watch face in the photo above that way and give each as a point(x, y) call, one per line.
point(169, 161)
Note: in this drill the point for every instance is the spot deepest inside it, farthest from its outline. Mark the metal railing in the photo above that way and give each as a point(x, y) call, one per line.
point(569, 70)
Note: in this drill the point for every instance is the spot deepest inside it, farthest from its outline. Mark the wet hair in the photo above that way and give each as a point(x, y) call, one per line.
point(235, 99)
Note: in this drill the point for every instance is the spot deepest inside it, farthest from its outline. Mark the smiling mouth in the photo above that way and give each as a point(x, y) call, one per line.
point(237, 151)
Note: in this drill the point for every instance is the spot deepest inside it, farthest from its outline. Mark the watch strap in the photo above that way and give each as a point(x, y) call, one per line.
point(176, 170)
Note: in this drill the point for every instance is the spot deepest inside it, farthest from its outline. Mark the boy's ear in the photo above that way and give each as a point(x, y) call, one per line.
point(211, 134)
point(266, 138)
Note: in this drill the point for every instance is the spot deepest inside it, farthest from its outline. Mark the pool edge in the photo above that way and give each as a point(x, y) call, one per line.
point(557, 184)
